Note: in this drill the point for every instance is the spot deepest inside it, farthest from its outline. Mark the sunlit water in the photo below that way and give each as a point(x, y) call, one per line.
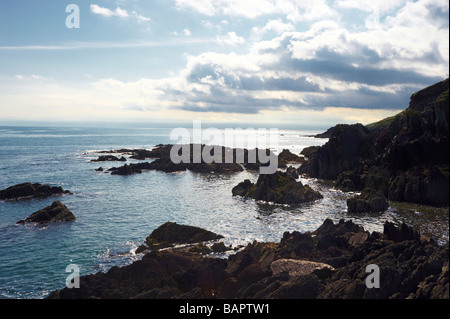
point(116, 213)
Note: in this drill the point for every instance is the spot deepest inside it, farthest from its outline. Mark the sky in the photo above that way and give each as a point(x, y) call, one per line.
point(308, 63)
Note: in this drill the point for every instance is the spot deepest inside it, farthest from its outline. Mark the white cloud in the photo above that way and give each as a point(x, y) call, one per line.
point(294, 10)
point(230, 39)
point(277, 26)
point(108, 12)
point(118, 12)
point(187, 32)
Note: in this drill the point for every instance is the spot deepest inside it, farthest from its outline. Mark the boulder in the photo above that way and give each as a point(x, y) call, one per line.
point(57, 212)
point(287, 157)
point(29, 190)
point(369, 201)
point(170, 234)
point(279, 188)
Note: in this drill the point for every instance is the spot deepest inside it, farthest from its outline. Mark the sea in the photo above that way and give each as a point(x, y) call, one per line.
point(114, 214)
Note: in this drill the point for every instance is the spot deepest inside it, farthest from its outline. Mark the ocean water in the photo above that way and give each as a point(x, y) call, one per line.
point(116, 213)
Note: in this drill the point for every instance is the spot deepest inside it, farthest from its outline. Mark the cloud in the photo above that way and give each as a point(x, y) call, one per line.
point(276, 26)
point(292, 9)
point(230, 39)
point(118, 12)
point(108, 12)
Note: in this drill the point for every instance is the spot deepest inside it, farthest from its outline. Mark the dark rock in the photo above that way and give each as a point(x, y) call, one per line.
point(242, 188)
point(57, 212)
point(29, 190)
point(286, 157)
point(109, 158)
point(292, 171)
point(310, 151)
point(170, 234)
point(327, 134)
point(344, 151)
point(370, 201)
point(408, 269)
point(400, 234)
point(405, 156)
point(279, 188)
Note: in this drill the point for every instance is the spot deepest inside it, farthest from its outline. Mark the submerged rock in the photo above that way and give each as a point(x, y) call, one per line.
point(280, 188)
point(29, 190)
point(109, 158)
point(57, 212)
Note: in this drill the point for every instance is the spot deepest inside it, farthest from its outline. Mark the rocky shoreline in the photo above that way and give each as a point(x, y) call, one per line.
point(402, 158)
point(329, 263)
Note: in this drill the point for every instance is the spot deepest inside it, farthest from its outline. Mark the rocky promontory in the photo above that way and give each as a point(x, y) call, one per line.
point(29, 191)
point(328, 263)
point(406, 156)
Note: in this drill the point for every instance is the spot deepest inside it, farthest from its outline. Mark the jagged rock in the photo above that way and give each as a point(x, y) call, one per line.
point(287, 157)
point(370, 201)
point(295, 267)
point(109, 158)
point(292, 171)
point(400, 234)
point(29, 190)
point(346, 148)
point(405, 156)
point(279, 188)
point(57, 212)
point(409, 269)
point(310, 151)
point(327, 134)
point(170, 234)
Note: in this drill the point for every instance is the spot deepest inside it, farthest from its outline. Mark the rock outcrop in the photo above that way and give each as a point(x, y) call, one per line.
point(109, 158)
point(369, 201)
point(329, 263)
point(405, 156)
point(57, 212)
point(280, 188)
point(346, 148)
point(29, 190)
point(170, 234)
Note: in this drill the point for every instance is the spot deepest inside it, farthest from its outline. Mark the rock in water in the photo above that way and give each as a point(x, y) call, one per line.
point(29, 190)
point(170, 234)
point(109, 158)
point(370, 201)
point(280, 188)
point(57, 212)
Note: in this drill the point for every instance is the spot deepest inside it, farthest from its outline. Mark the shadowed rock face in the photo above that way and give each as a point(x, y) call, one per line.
point(57, 212)
point(280, 188)
point(370, 201)
point(405, 156)
point(29, 190)
point(346, 148)
point(327, 263)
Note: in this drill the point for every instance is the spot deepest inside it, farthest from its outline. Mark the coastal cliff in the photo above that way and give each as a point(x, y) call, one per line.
point(405, 156)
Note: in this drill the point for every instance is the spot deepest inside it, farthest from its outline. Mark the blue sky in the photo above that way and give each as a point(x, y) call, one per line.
point(308, 63)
